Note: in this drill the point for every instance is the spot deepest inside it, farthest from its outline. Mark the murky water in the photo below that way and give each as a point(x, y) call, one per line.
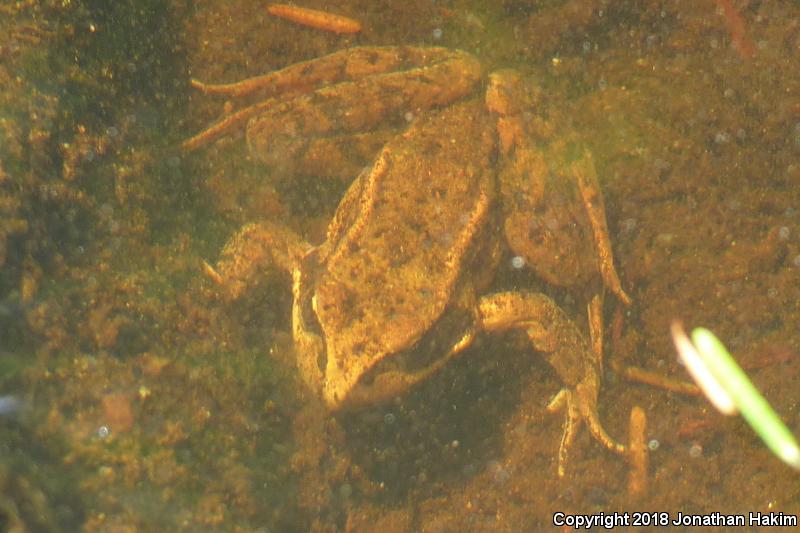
point(136, 396)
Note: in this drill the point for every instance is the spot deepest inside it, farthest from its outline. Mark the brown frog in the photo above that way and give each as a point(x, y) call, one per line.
point(399, 287)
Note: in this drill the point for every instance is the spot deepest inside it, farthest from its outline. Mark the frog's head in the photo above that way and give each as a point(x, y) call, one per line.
point(381, 371)
point(341, 379)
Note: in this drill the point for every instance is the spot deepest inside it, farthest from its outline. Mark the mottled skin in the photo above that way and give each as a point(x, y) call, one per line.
point(398, 288)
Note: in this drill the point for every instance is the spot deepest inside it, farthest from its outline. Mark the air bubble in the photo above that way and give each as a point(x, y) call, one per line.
point(695, 450)
point(500, 474)
point(772, 293)
point(9, 405)
point(105, 211)
point(628, 225)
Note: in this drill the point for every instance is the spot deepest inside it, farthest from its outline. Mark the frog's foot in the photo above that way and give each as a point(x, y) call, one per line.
point(579, 405)
point(552, 332)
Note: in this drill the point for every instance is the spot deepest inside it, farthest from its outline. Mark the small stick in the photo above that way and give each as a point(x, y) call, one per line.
point(640, 375)
point(637, 449)
point(313, 18)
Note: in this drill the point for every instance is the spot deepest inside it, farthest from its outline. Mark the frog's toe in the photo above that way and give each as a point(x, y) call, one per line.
point(579, 408)
point(564, 400)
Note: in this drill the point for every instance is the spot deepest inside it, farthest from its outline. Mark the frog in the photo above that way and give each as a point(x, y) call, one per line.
point(465, 170)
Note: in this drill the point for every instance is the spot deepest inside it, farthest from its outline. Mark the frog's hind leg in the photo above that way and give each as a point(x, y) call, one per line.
point(349, 64)
point(229, 123)
point(584, 173)
point(287, 82)
point(401, 80)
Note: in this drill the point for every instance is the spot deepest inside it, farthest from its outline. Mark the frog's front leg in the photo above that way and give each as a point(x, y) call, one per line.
point(552, 332)
point(251, 250)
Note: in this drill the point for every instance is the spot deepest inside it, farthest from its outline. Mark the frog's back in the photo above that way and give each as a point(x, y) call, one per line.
point(406, 229)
